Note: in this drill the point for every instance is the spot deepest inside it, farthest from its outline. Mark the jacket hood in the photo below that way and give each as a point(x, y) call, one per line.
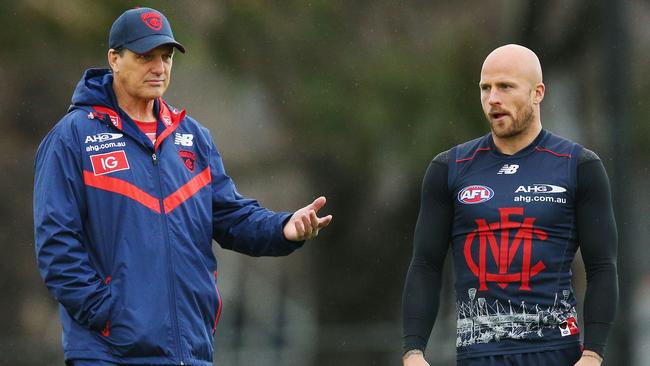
point(94, 89)
point(94, 94)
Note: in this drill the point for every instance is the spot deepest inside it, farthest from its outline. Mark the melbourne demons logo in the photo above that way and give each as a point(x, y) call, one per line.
point(503, 251)
point(189, 159)
point(152, 20)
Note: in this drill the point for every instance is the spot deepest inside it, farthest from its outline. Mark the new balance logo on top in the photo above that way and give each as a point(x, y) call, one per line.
point(183, 139)
point(508, 169)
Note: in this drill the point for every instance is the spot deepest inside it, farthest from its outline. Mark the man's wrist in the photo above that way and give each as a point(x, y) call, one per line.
point(592, 354)
point(412, 352)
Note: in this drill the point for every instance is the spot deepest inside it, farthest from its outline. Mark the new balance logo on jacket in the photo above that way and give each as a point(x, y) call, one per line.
point(183, 139)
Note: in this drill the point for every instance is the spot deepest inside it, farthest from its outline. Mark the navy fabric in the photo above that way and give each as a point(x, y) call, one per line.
point(91, 363)
point(141, 30)
point(99, 363)
point(124, 230)
point(560, 357)
point(513, 242)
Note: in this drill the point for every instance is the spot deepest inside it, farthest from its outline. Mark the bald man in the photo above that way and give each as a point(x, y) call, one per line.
point(514, 206)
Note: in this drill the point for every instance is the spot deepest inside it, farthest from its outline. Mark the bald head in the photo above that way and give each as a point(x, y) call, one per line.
point(511, 92)
point(515, 60)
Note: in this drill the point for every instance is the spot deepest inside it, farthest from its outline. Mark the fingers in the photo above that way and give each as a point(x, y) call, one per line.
point(304, 230)
point(324, 221)
point(306, 221)
point(307, 227)
point(300, 229)
point(313, 220)
point(318, 203)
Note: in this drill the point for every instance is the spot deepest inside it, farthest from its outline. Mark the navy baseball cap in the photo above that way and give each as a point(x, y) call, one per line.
point(141, 30)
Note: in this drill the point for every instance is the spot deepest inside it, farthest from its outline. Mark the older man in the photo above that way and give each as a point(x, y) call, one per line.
point(515, 204)
point(129, 193)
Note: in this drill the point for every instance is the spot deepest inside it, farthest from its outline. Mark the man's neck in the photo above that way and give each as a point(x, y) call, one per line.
point(138, 109)
point(512, 145)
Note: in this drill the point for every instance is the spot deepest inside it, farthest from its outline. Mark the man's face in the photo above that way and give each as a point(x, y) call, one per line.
point(507, 99)
point(144, 76)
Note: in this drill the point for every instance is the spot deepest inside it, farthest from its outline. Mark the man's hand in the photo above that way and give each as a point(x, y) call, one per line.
point(304, 224)
point(414, 357)
point(589, 358)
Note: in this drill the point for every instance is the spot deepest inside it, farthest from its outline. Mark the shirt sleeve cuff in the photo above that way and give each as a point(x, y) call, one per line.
point(413, 342)
point(284, 218)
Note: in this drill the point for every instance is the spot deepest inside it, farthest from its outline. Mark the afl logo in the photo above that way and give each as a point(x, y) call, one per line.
point(152, 20)
point(475, 194)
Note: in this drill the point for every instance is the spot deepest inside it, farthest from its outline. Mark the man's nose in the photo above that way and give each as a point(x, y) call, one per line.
point(158, 65)
point(494, 97)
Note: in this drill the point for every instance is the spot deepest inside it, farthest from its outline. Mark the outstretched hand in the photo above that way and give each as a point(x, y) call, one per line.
point(304, 224)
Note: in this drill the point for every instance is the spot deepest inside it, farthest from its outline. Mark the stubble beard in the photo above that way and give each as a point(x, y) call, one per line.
point(519, 124)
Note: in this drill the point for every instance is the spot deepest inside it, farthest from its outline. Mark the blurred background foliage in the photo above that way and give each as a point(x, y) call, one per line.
point(348, 99)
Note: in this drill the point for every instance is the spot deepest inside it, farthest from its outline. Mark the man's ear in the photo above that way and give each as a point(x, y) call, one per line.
point(540, 88)
point(112, 57)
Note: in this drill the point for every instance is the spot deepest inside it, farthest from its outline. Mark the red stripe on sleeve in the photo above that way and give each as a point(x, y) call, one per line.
point(216, 318)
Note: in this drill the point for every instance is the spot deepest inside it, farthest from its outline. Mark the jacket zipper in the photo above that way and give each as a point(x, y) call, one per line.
point(170, 283)
point(170, 265)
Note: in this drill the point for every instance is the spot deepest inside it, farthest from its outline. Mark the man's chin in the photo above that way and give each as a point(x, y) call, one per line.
point(503, 132)
point(150, 95)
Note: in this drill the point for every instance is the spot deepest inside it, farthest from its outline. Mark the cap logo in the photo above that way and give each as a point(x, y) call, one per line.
point(152, 20)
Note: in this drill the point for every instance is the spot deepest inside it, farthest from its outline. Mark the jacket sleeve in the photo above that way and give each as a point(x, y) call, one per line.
point(239, 223)
point(59, 211)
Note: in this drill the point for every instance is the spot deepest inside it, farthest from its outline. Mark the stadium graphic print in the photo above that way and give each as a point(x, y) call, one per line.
point(480, 321)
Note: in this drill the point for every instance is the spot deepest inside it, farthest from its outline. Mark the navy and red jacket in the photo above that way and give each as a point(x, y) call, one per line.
point(124, 230)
